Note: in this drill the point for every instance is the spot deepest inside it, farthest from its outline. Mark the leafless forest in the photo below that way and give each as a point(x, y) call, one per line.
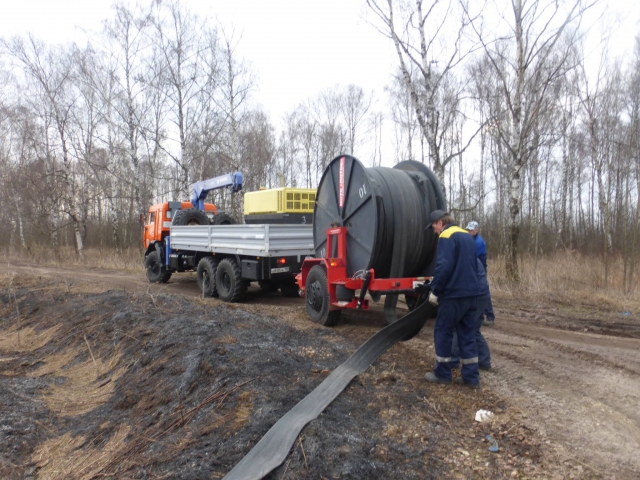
point(502, 99)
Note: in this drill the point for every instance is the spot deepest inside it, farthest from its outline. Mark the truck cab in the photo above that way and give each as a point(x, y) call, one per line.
point(159, 218)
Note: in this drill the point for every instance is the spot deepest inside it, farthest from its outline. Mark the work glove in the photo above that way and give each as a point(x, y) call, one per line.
point(433, 300)
point(422, 288)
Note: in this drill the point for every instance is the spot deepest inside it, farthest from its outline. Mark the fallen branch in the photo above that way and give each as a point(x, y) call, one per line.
point(437, 410)
point(92, 357)
point(306, 465)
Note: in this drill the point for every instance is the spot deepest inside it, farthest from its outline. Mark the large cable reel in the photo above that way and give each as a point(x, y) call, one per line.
point(385, 211)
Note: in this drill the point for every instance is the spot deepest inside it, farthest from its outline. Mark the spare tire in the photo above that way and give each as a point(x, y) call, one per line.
point(223, 219)
point(190, 216)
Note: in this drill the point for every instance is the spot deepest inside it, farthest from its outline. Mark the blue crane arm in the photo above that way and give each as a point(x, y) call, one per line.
point(232, 181)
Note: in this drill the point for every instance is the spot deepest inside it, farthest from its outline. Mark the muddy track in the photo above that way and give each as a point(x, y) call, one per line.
point(578, 389)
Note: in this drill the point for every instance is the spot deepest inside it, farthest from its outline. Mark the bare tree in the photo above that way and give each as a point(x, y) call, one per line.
point(354, 105)
point(183, 44)
point(331, 134)
point(235, 88)
point(127, 44)
point(424, 45)
point(406, 128)
point(376, 123)
point(49, 70)
point(527, 63)
point(284, 173)
point(257, 149)
point(600, 100)
point(308, 138)
point(634, 153)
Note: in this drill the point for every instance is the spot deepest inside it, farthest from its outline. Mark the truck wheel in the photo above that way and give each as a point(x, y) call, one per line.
point(290, 289)
point(206, 274)
point(318, 300)
point(156, 272)
point(229, 283)
point(190, 216)
point(223, 219)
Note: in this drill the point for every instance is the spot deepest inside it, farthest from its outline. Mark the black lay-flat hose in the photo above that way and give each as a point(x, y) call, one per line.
point(274, 447)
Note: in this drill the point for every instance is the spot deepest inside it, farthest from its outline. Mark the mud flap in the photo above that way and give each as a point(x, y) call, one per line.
point(160, 250)
point(274, 447)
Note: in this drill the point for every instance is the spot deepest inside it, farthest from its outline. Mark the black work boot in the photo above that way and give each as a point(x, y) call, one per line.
point(431, 378)
point(460, 381)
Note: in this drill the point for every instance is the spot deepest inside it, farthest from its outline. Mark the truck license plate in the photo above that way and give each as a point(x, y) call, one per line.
point(280, 270)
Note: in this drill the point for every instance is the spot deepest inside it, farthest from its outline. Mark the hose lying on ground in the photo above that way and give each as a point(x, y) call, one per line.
point(274, 447)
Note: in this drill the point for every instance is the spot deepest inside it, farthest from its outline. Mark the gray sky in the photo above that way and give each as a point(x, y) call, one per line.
point(297, 48)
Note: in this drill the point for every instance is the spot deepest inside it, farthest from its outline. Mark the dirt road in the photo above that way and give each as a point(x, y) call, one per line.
point(572, 372)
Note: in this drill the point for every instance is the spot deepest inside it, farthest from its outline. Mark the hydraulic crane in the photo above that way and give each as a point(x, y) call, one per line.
point(232, 181)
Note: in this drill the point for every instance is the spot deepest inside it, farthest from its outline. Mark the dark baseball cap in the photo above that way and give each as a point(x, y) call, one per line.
point(435, 216)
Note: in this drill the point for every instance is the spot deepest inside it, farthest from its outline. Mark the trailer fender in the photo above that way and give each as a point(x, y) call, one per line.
point(307, 265)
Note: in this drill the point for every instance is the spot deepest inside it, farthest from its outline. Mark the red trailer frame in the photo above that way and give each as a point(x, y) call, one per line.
point(336, 270)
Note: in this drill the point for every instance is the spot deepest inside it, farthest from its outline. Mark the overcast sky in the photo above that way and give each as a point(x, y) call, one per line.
point(297, 48)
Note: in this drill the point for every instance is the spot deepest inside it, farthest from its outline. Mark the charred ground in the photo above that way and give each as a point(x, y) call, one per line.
point(98, 382)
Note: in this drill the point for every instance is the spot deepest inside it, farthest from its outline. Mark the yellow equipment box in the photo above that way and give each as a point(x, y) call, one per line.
point(280, 200)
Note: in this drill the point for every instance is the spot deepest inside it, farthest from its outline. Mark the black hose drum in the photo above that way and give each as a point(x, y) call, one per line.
point(385, 211)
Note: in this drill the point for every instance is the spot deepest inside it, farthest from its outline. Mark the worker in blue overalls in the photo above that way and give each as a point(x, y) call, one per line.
point(454, 289)
point(484, 354)
point(481, 250)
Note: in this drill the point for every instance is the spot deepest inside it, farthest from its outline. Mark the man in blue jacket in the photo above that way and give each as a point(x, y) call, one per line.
point(454, 289)
point(484, 354)
point(481, 249)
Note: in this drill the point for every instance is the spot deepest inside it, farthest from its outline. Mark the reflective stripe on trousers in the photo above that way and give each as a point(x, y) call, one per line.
point(465, 361)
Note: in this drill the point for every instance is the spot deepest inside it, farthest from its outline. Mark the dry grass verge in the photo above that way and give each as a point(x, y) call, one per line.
point(129, 259)
point(68, 457)
point(21, 340)
point(567, 276)
point(87, 385)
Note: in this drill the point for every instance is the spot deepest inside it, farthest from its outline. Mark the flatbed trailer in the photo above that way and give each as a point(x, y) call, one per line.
point(227, 258)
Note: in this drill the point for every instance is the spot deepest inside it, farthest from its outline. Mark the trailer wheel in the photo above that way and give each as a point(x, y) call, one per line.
point(156, 272)
point(190, 216)
point(290, 289)
point(206, 275)
point(223, 219)
point(318, 300)
point(411, 301)
point(229, 283)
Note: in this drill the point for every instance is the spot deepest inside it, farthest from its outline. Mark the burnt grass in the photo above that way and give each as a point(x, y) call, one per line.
point(204, 381)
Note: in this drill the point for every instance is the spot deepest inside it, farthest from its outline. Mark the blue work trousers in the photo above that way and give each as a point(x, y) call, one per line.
point(484, 355)
point(488, 310)
point(459, 315)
